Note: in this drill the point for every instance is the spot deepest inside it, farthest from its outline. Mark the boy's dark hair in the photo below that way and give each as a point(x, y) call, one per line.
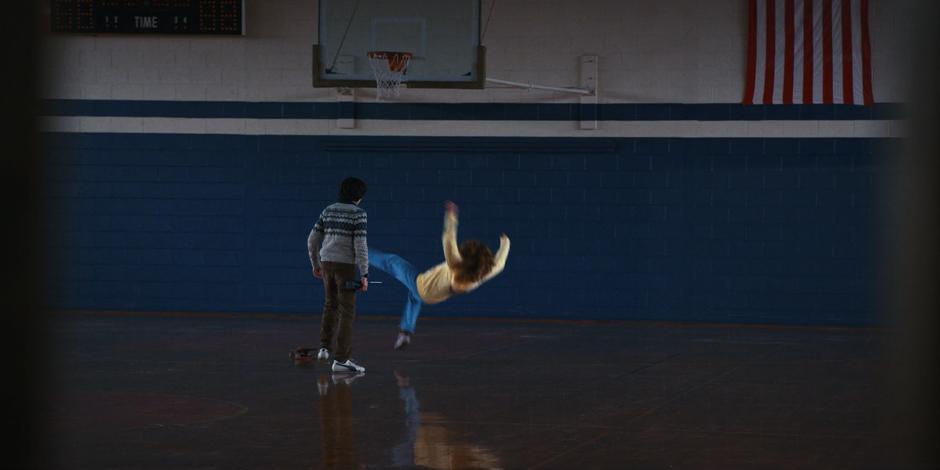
point(352, 189)
point(476, 262)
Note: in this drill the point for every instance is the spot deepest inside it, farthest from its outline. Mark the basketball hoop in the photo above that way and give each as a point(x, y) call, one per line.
point(389, 68)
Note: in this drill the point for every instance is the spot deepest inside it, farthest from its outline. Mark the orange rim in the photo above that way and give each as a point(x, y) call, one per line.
point(397, 61)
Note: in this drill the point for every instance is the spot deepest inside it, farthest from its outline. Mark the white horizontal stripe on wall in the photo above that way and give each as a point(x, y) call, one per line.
point(440, 128)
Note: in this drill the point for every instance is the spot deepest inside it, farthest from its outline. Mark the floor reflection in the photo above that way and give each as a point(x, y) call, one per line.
point(428, 443)
point(336, 420)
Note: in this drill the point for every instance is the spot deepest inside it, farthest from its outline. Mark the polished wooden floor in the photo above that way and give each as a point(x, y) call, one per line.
point(205, 392)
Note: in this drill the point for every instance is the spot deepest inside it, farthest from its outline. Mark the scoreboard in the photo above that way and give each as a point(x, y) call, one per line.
point(148, 16)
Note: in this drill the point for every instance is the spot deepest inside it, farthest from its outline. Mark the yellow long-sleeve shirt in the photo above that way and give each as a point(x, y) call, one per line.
point(437, 284)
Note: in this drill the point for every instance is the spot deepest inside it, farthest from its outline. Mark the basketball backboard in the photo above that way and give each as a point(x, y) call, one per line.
point(443, 37)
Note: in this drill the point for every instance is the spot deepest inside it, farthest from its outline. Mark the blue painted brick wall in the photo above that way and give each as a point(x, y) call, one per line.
point(724, 230)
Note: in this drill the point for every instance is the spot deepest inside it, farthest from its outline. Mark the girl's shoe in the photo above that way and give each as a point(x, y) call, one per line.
point(404, 339)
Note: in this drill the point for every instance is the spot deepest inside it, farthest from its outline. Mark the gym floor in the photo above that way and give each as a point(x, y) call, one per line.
point(185, 392)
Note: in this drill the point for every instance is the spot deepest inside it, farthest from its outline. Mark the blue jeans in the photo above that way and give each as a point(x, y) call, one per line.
point(405, 272)
point(403, 455)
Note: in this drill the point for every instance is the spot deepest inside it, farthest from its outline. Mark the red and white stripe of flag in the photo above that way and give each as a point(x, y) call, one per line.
point(808, 51)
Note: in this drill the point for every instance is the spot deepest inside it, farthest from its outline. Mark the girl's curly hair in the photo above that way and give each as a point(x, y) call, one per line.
point(476, 262)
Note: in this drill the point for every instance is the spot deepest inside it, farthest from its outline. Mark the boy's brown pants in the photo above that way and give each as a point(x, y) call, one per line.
point(339, 306)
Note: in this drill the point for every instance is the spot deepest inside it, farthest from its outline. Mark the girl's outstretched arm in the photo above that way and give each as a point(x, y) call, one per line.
point(499, 261)
point(449, 237)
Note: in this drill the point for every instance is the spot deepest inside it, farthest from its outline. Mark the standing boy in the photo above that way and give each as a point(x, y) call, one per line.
point(337, 248)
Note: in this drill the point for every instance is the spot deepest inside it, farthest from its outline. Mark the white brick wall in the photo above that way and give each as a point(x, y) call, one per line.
point(688, 51)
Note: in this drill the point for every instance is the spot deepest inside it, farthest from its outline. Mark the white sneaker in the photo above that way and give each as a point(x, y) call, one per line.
point(323, 355)
point(403, 340)
point(347, 377)
point(348, 366)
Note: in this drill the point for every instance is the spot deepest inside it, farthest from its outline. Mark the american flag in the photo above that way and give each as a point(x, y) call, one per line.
point(808, 51)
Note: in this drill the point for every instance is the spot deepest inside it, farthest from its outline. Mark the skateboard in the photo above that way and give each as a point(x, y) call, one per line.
point(303, 356)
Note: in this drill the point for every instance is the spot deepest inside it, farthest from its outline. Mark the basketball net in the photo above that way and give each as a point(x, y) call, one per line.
point(389, 69)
